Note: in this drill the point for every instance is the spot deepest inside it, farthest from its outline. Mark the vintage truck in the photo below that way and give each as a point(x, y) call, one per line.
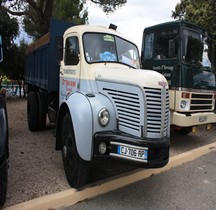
point(184, 53)
point(4, 151)
point(102, 104)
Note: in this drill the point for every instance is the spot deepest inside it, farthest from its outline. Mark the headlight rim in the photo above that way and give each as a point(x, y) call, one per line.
point(103, 117)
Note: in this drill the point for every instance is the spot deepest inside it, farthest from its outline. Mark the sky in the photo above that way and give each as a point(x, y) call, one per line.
point(134, 16)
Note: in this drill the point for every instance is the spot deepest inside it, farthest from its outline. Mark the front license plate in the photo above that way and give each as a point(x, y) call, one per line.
point(133, 152)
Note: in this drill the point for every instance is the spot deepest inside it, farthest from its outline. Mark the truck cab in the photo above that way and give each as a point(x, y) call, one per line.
point(184, 53)
point(104, 107)
point(4, 151)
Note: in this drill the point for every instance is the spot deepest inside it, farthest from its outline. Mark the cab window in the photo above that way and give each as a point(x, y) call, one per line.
point(71, 51)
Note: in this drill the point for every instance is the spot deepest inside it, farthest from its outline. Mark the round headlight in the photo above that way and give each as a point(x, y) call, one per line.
point(183, 104)
point(103, 117)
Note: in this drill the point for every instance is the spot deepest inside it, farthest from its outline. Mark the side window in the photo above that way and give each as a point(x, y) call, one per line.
point(72, 51)
point(149, 40)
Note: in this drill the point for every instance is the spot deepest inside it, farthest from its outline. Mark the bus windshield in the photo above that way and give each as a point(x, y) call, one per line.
point(197, 49)
point(100, 47)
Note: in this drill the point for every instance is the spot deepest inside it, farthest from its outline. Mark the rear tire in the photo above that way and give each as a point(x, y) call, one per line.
point(42, 110)
point(184, 130)
point(32, 111)
point(76, 169)
point(3, 182)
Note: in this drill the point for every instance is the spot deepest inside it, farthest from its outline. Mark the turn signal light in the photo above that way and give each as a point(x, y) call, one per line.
point(185, 95)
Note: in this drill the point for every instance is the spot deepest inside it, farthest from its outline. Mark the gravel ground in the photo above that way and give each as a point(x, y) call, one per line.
point(36, 169)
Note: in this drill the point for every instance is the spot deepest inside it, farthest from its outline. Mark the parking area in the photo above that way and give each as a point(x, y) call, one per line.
point(36, 169)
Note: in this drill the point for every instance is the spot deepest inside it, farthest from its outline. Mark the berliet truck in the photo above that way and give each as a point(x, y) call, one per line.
point(102, 104)
point(4, 151)
point(184, 54)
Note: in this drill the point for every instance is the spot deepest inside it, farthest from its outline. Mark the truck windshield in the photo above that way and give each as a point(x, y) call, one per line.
point(197, 49)
point(100, 47)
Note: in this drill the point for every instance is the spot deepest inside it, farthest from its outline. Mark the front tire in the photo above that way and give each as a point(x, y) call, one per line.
point(3, 182)
point(76, 169)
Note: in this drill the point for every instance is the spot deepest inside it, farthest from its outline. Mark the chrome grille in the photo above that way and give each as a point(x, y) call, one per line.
point(141, 114)
point(201, 102)
point(157, 103)
point(128, 109)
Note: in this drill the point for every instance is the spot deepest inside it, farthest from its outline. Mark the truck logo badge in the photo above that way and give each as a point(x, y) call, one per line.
point(162, 83)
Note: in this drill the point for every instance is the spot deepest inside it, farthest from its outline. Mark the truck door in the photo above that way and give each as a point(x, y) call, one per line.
point(70, 67)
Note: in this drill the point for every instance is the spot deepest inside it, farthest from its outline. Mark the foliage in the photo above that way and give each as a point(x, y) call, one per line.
point(9, 30)
point(199, 12)
point(109, 6)
point(37, 13)
point(70, 12)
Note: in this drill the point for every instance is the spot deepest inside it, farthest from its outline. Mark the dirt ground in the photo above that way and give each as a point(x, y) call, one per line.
point(35, 167)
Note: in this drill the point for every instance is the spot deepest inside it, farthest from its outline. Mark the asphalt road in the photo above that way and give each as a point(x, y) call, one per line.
point(191, 186)
point(36, 169)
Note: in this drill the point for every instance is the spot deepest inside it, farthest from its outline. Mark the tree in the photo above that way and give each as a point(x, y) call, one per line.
point(17, 65)
point(65, 10)
point(37, 13)
point(199, 12)
point(9, 29)
point(109, 6)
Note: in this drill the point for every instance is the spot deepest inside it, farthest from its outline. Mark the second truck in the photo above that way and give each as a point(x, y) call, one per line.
point(184, 53)
point(102, 104)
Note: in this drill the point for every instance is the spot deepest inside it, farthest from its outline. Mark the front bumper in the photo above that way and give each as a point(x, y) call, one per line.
point(157, 149)
point(192, 119)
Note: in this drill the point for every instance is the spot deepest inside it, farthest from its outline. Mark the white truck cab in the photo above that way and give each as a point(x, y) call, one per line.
point(116, 110)
point(103, 105)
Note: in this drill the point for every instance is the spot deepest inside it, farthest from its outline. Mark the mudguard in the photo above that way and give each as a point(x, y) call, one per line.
point(84, 111)
point(3, 129)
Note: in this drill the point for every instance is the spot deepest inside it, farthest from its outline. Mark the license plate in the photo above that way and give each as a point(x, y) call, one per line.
point(133, 152)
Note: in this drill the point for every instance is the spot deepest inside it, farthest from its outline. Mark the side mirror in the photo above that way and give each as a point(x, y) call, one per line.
point(59, 48)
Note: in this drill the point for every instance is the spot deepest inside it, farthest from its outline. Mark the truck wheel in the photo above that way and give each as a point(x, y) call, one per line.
point(3, 182)
point(32, 111)
point(42, 110)
point(184, 130)
point(76, 169)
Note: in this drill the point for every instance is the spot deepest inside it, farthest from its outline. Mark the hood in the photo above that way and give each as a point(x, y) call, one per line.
point(140, 77)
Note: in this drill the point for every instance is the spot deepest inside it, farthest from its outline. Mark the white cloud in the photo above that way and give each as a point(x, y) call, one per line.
point(132, 18)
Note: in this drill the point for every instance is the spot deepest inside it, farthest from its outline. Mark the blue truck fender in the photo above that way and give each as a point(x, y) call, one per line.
point(83, 111)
